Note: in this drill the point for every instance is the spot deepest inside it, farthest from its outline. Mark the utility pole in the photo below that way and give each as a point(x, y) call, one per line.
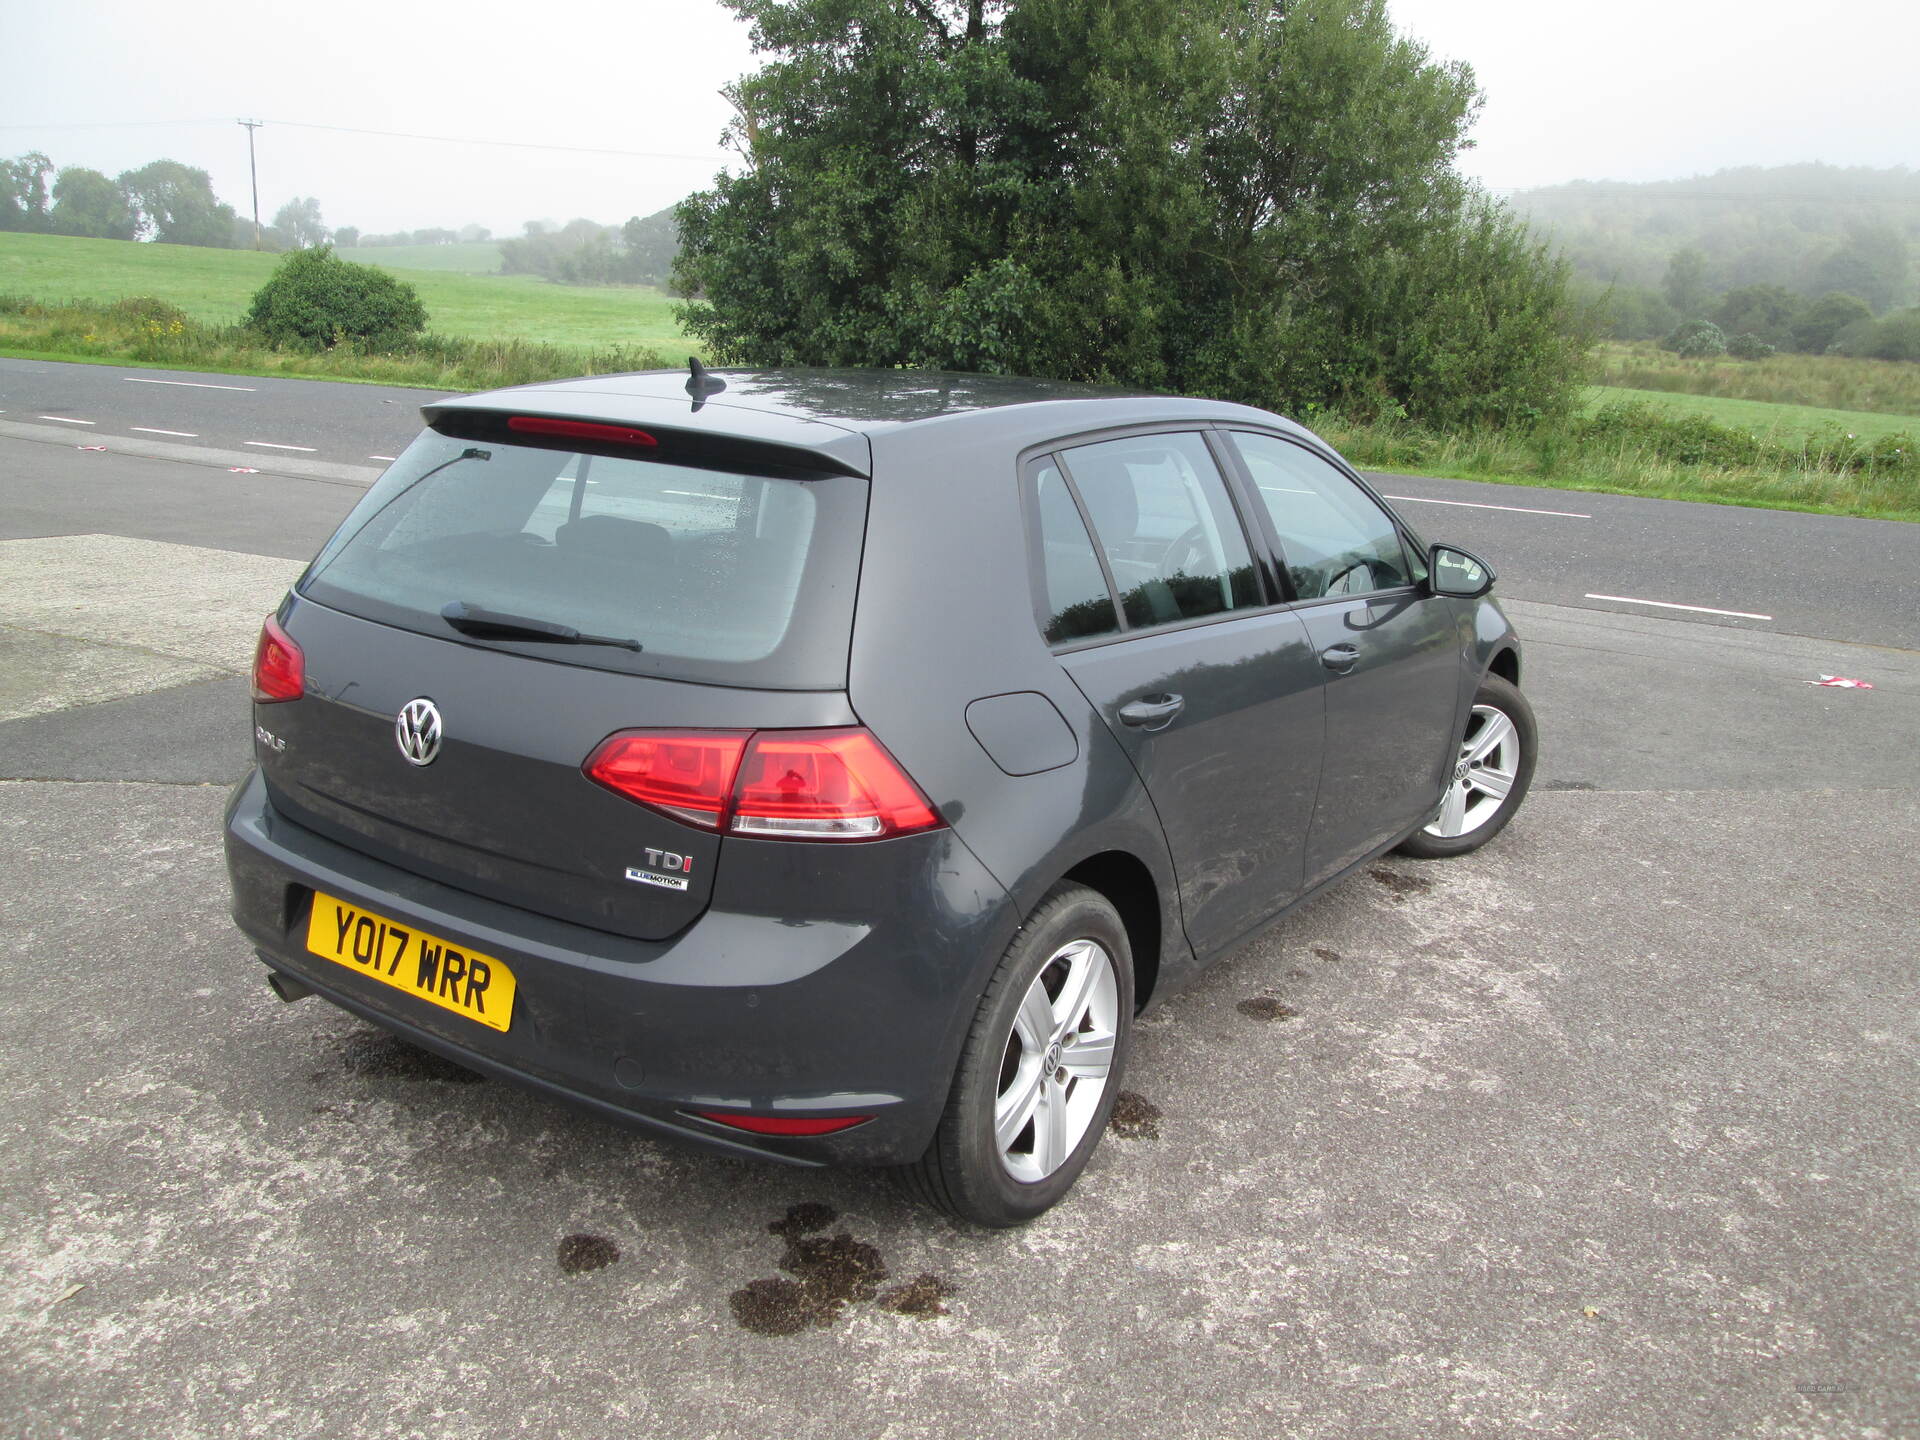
point(252, 170)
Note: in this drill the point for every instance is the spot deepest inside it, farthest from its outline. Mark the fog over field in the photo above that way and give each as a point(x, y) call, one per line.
point(1638, 90)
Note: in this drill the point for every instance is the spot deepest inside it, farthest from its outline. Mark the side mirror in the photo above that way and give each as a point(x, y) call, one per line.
point(1453, 571)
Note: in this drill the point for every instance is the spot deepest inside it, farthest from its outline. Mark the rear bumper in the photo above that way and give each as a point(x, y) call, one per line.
point(819, 981)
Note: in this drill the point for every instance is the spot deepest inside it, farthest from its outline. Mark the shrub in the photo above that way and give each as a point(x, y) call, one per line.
point(145, 308)
point(315, 300)
point(1695, 339)
point(1816, 328)
point(1897, 337)
point(1749, 347)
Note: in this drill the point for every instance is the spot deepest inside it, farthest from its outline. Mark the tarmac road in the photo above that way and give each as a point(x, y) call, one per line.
point(1606, 1130)
point(1801, 574)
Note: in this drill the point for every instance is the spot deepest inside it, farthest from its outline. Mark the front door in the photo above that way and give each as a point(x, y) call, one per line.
point(1390, 650)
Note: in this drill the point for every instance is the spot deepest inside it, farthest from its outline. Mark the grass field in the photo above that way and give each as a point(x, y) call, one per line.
point(1887, 387)
point(215, 286)
point(1785, 424)
point(481, 258)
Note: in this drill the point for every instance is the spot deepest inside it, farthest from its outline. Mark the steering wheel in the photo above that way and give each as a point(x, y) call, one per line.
point(1188, 547)
point(1333, 580)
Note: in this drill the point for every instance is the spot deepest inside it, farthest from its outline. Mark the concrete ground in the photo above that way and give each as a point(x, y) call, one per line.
point(1604, 1131)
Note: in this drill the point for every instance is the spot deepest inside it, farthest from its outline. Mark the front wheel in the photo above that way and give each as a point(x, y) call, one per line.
point(1040, 1069)
point(1492, 770)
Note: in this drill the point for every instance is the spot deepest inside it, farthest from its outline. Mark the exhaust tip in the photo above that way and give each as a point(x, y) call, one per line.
point(286, 987)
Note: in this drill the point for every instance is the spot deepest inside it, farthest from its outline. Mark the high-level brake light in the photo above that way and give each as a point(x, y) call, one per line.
point(581, 430)
point(279, 667)
point(774, 784)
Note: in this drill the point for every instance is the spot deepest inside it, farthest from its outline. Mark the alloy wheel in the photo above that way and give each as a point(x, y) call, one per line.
point(1483, 776)
point(1057, 1061)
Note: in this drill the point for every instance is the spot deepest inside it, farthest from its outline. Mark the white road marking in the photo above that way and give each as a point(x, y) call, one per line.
point(1669, 605)
point(187, 384)
point(691, 494)
point(65, 421)
point(270, 445)
point(1476, 505)
point(183, 434)
point(382, 457)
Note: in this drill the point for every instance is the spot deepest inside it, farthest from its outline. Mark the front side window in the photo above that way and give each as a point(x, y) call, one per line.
point(1163, 520)
point(1336, 540)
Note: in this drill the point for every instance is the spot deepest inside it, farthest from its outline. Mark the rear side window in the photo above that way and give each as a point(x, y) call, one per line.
point(1079, 605)
point(737, 577)
point(1163, 520)
point(1336, 540)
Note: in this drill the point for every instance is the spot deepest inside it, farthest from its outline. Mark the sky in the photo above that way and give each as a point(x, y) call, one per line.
point(1628, 90)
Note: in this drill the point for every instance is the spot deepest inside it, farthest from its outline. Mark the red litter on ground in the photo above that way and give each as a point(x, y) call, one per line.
point(1840, 682)
point(249, 470)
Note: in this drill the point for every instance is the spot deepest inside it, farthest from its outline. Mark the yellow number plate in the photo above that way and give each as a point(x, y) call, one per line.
point(424, 966)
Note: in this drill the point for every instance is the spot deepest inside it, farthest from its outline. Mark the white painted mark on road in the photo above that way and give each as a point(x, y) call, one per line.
point(1669, 605)
point(65, 421)
point(187, 384)
point(150, 430)
point(383, 457)
point(1476, 505)
point(269, 445)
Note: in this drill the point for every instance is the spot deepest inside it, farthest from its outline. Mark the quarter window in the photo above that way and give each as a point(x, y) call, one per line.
point(1335, 539)
point(1079, 604)
point(1164, 523)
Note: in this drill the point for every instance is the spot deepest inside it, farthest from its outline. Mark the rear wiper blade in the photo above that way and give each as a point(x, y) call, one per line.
point(493, 625)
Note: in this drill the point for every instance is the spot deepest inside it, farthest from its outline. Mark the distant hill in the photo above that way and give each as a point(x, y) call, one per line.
point(1806, 228)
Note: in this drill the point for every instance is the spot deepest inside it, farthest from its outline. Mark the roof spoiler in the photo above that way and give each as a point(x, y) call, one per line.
point(651, 434)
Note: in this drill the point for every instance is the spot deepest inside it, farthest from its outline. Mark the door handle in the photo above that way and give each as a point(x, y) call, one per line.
point(1152, 712)
point(1341, 657)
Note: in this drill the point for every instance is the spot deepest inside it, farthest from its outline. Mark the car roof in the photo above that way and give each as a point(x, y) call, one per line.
point(821, 411)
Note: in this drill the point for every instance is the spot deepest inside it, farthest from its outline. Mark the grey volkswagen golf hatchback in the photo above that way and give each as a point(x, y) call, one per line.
point(828, 766)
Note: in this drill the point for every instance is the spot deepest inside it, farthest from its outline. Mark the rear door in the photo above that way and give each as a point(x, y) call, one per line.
point(1390, 650)
point(1176, 637)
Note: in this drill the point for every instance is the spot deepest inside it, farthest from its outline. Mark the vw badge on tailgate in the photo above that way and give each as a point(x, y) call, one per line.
point(417, 731)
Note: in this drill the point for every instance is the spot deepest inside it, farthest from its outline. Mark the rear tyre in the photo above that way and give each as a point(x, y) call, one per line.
point(1493, 768)
point(1040, 1069)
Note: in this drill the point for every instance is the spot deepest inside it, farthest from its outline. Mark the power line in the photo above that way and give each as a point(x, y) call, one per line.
point(108, 124)
point(502, 144)
point(710, 159)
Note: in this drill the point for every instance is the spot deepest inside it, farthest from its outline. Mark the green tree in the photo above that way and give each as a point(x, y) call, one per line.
point(1628, 312)
point(1895, 337)
point(1686, 282)
point(346, 237)
point(316, 299)
point(175, 204)
point(23, 191)
point(85, 202)
point(1819, 325)
point(1871, 263)
point(1765, 312)
point(300, 218)
point(1227, 197)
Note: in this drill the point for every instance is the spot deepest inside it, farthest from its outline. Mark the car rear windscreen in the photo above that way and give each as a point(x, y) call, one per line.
point(732, 578)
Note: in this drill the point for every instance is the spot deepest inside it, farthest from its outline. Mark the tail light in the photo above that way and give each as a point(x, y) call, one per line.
point(775, 784)
point(279, 669)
